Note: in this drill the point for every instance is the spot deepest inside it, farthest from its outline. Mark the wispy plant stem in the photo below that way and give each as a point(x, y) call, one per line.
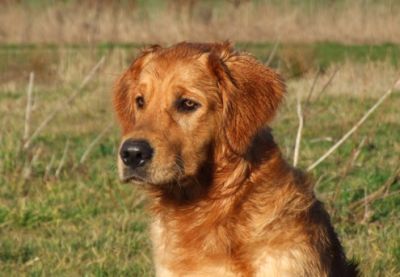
point(62, 105)
point(299, 132)
point(28, 107)
point(355, 127)
point(93, 143)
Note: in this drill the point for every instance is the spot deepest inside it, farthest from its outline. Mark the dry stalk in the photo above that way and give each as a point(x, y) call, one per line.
point(315, 140)
point(62, 105)
point(49, 166)
point(63, 158)
point(272, 54)
point(28, 107)
point(397, 85)
point(94, 142)
point(117, 201)
point(27, 171)
point(327, 83)
point(299, 132)
point(308, 99)
point(367, 213)
point(353, 157)
point(138, 201)
point(355, 127)
point(379, 193)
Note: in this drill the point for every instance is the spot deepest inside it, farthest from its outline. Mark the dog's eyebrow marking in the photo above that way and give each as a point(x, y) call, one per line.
point(152, 71)
point(156, 73)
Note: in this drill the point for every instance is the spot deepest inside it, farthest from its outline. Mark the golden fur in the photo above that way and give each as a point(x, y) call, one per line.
point(225, 202)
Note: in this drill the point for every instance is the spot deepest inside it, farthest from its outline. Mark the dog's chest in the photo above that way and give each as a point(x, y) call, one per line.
point(208, 260)
point(203, 257)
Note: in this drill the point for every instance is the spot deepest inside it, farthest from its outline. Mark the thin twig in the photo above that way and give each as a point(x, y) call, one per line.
point(62, 161)
point(93, 143)
point(352, 130)
point(62, 105)
point(308, 99)
point(299, 132)
point(316, 140)
point(327, 83)
point(28, 167)
point(49, 167)
point(367, 214)
point(139, 200)
point(272, 54)
point(353, 157)
point(28, 106)
point(379, 193)
point(397, 85)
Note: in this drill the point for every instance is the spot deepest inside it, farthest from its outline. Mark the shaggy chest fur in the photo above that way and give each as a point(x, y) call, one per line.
point(253, 232)
point(227, 249)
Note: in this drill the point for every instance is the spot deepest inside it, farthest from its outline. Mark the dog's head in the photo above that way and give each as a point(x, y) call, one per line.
point(179, 105)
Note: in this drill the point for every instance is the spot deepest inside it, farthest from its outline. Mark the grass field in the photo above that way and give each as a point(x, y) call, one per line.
point(63, 217)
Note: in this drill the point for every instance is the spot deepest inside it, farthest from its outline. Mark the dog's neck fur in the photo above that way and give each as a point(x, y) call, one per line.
point(189, 221)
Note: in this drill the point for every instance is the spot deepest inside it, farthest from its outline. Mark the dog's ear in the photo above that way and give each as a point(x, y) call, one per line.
point(124, 89)
point(251, 94)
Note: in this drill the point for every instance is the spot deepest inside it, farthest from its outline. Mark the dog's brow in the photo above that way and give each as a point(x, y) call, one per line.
point(141, 87)
point(156, 73)
point(196, 93)
point(152, 70)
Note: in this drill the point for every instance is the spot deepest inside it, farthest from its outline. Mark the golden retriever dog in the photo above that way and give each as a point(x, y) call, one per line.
point(224, 201)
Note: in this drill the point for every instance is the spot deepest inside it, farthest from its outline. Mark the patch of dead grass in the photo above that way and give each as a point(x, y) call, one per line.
point(75, 22)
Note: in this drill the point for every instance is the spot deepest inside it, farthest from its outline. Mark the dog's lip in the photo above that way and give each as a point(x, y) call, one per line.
point(133, 178)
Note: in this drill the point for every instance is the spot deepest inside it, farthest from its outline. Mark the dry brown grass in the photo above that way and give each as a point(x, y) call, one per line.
point(363, 80)
point(356, 21)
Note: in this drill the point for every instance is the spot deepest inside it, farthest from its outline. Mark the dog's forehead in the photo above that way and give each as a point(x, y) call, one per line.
point(182, 75)
point(178, 72)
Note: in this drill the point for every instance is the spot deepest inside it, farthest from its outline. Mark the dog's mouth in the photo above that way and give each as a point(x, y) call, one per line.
point(133, 178)
point(149, 176)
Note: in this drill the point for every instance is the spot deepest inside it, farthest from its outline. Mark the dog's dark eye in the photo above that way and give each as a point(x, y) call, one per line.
point(139, 102)
point(187, 105)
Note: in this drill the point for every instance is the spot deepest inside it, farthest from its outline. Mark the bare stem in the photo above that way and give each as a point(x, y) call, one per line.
point(28, 167)
point(62, 161)
point(352, 130)
point(379, 193)
point(272, 54)
point(94, 142)
point(28, 106)
point(49, 167)
point(327, 83)
point(299, 132)
point(62, 105)
point(308, 99)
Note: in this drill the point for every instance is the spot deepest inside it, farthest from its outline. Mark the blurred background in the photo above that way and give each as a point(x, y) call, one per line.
point(63, 211)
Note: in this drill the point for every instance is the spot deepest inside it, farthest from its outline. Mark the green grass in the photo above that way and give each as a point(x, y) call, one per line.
point(85, 223)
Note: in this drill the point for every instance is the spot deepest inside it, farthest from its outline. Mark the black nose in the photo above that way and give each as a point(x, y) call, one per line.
point(135, 153)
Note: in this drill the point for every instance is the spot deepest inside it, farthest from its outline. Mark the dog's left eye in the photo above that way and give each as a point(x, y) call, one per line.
point(187, 105)
point(139, 102)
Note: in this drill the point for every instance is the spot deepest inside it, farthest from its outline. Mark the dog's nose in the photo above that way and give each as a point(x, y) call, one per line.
point(136, 153)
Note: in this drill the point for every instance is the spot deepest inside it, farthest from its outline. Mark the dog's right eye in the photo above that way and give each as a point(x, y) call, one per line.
point(139, 102)
point(186, 105)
